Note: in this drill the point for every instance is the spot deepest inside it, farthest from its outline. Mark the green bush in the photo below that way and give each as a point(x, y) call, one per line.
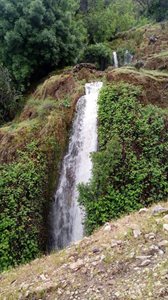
point(9, 99)
point(99, 54)
point(37, 36)
point(22, 207)
point(106, 18)
point(130, 170)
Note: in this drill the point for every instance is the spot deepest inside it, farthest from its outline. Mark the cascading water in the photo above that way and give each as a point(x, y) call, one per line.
point(115, 59)
point(128, 57)
point(66, 217)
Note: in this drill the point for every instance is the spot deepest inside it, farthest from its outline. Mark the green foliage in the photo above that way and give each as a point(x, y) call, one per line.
point(37, 36)
point(8, 97)
point(155, 9)
point(130, 169)
point(99, 54)
point(104, 21)
point(22, 204)
point(158, 9)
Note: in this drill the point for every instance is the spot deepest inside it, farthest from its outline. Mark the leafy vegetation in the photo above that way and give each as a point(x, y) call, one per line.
point(104, 19)
point(130, 169)
point(37, 36)
point(22, 207)
point(156, 9)
point(99, 54)
point(9, 99)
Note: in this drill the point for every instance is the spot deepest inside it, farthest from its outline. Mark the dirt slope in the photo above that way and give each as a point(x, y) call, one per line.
point(154, 84)
point(124, 260)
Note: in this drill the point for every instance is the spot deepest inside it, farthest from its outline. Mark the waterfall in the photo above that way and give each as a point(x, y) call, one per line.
point(115, 59)
point(66, 216)
point(128, 57)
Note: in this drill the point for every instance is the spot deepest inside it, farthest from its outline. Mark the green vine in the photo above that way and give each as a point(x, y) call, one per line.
point(130, 170)
point(22, 202)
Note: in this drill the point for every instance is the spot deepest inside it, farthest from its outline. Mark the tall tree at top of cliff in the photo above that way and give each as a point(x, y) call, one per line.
point(105, 18)
point(159, 10)
point(156, 9)
point(38, 35)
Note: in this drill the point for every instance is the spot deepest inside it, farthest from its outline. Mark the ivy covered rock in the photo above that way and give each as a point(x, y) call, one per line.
point(130, 170)
point(22, 208)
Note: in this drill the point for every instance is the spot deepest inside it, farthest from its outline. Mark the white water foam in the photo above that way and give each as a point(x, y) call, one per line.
point(66, 215)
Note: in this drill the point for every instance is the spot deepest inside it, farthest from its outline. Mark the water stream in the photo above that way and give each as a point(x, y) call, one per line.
point(66, 217)
point(115, 59)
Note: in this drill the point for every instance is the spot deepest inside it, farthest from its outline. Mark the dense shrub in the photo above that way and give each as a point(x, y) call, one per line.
point(158, 9)
point(21, 211)
point(103, 19)
point(9, 99)
point(37, 36)
point(130, 169)
point(155, 9)
point(99, 54)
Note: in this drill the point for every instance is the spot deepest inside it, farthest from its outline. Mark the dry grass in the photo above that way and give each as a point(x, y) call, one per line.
point(56, 268)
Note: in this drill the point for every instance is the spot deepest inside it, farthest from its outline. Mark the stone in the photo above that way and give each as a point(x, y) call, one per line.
point(77, 265)
point(150, 236)
point(132, 254)
point(153, 39)
point(161, 252)
point(117, 294)
point(159, 210)
point(136, 233)
point(102, 257)
point(154, 250)
point(139, 64)
point(42, 277)
point(165, 227)
point(143, 257)
point(165, 218)
point(107, 227)
point(26, 294)
point(80, 66)
point(116, 243)
point(163, 243)
point(96, 250)
point(145, 263)
point(24, 286)
point(143, 210)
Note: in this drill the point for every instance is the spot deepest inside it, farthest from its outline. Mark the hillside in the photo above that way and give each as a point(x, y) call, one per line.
point(152, 75)
point(125, 259)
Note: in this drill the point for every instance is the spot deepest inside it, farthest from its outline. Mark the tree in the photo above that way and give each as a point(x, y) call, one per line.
point(106, 19)
point(98, 54)
point(38, 35)
point(8, 97)
point(157, 9)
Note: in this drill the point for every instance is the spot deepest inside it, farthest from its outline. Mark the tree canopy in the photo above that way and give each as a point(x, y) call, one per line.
point(106, 18)
point(9, 99)
point(38, 35)
point(156, 9)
